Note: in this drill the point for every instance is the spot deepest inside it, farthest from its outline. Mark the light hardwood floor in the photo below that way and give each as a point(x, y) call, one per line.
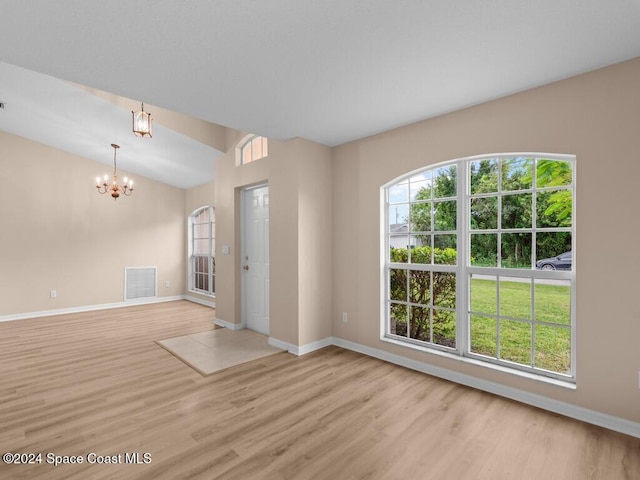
point(96, 383)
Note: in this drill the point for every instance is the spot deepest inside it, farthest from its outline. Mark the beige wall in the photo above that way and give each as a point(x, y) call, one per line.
point(314, 241)
point(298, 173)
point(200, 196)
point(594, 116)
point(59, 234)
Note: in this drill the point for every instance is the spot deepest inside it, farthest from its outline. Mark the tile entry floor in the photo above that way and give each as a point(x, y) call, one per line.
point(214, 350)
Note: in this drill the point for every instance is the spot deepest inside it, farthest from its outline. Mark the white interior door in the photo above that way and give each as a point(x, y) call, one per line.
point(255, 258)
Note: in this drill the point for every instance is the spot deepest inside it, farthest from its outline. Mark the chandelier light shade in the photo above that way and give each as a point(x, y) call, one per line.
point(141, 123)
point(114, 189)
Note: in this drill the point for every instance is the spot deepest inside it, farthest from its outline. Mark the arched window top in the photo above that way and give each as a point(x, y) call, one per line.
point(203, 215)
point(252, 148)
point(549, 169)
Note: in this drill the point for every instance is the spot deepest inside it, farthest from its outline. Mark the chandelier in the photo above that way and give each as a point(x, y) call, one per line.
point(141, 123)
point(114, 189)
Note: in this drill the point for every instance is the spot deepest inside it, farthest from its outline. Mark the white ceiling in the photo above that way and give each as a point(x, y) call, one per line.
point(331, 71)
point(59, 114)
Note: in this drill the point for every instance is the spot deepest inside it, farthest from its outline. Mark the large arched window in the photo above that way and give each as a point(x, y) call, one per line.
point(202, 245)
point(479, 261)
point(252, 148)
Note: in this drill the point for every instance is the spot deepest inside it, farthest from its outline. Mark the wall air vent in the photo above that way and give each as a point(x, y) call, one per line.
point(139, 283)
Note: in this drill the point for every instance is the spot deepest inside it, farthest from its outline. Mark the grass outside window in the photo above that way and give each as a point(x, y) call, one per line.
point(503, 329)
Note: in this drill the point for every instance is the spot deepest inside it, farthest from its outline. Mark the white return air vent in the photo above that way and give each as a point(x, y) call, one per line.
point(139, 282)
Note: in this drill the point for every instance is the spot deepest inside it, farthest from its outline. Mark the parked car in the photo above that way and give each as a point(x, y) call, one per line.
point(561, 262)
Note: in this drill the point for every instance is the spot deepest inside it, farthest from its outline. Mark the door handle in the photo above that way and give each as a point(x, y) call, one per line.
point(246, 267)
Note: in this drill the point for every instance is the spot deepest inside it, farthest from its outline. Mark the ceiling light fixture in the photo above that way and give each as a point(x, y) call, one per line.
point(141, 123)
point(114, 188)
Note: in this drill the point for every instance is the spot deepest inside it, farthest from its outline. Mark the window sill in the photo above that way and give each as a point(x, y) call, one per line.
point(209, 295)
point(568, 383)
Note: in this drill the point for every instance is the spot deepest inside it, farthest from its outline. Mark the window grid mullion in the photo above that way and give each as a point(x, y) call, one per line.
point(534, 215)
point(431, 305)
point(498, 318)
point(533, 323)
point(211, 251)
point(408, 305)
point(463, 337)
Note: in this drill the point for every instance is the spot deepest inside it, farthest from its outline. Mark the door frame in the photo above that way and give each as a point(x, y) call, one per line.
point(243, 278)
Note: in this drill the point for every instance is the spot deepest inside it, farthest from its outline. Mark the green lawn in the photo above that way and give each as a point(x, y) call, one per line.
point(551, 341)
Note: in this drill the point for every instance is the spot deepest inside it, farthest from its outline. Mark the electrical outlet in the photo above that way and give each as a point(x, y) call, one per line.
point(344, 317)
point(166, 284)
point(53, 294)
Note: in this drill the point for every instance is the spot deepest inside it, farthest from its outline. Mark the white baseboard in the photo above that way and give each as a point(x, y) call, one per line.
point(201, 301)
point(88, 308)
point(573, 411)
point(291, 348)
point(229, 325)
point(302, 349)
point(313, 346)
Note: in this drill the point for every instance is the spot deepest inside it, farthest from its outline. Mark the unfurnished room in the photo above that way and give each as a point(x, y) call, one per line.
point(319, 240)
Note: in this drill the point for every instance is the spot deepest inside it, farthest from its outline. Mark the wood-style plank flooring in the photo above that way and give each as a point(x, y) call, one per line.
point(96, 383)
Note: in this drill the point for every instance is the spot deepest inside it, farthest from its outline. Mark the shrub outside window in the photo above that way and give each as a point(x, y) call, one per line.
point(478, 260)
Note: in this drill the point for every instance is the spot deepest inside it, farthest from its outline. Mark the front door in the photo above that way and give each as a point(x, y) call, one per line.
point(255, 258)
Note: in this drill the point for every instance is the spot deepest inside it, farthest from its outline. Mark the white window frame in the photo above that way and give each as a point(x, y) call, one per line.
point(464, 270)
point(248, 142)
point(210, 258)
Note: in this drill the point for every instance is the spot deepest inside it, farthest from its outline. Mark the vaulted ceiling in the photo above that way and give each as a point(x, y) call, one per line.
point(329, 71)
